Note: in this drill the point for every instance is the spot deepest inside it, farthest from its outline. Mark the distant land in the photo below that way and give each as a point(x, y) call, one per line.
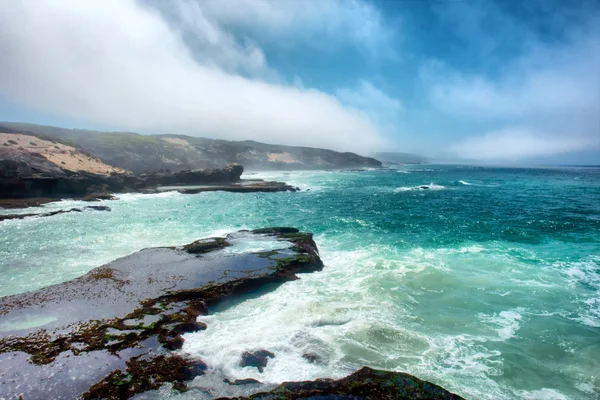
point(393, 158)
point(150, 153)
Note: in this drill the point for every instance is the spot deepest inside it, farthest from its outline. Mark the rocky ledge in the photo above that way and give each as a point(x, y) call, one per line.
point(29, 179)
point(111, 333)
point(4, 217)
point(364, 384)
point(115, 332)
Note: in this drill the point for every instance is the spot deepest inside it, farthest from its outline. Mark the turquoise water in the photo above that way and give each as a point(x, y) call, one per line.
point(487, 282)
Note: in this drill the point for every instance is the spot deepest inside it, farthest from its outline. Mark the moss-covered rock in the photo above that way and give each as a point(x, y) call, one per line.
point(122, 319)
point(364, 384)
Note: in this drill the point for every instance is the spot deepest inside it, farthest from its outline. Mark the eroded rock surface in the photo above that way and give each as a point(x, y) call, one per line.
point(111, 332)
point(364, 384)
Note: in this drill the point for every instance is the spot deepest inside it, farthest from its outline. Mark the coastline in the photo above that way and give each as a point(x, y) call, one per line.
point(124, 321)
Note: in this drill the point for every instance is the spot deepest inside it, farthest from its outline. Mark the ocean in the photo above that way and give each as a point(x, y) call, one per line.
point(483, 280)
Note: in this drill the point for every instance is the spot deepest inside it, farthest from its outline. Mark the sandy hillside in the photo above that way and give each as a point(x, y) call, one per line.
point(282, 157)
point(64, 156)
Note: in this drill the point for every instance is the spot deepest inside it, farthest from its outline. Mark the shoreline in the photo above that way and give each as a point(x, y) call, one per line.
point(124, 321)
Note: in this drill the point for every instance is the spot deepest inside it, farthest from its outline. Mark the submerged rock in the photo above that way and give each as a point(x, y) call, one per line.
point(311, 357)
point(239, 382)
point(257, 359)
point(364, 384)
point(51, 213)
point(109, 333)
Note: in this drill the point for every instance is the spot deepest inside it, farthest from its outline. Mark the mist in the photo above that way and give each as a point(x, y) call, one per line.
point(119, 63)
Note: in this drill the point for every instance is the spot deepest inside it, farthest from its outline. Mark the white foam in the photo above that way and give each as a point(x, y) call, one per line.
point(431, 186)
point(473, 249)
point(541, 394)
point(465, 183)
point(506, 323)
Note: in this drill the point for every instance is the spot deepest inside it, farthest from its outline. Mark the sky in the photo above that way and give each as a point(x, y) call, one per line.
point(501, 81)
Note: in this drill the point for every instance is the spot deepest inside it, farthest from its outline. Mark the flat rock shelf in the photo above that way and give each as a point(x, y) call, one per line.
point(115, 332)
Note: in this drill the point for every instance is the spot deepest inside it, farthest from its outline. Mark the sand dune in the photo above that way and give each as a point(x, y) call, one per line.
point(66, 157)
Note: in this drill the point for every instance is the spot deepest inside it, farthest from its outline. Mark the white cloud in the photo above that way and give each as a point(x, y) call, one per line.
point(516, 144)
point(354, 21)
point(119, 63)
point(551, 92)
point(369, 98)
point(374, 103)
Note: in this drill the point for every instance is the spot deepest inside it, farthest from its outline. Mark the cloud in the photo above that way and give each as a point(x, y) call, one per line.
point(515, 144)
point(365, 96)
point(544, 101)
point(373, 103)
point(354, 22)
point(121, 63)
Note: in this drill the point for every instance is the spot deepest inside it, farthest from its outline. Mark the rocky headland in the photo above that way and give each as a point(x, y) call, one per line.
point(28, 178)
point(115, 332)
point(152, 153)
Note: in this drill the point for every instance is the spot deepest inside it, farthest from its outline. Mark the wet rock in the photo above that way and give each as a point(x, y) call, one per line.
point(49, 214)
point(206, 245)
point(312, 357)
point(98, 196)
point(239, 382)
point(243, 187)
point(364, 384)
point(275, 230)
point(258, 359)
point(97, 208)
point(122, 320)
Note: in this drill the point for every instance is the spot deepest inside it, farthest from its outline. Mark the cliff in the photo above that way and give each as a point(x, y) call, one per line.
point(143, 153)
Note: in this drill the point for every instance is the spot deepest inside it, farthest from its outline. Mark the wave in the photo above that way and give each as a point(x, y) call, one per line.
point(506, 323)
point(431, 186)
point(466, 183)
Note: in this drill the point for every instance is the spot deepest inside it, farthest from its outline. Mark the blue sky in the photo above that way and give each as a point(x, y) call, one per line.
point(493, 81)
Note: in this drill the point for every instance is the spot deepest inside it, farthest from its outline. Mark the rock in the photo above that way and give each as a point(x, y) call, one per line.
point(118, 324)
point(257, 359)
point(238, 382)
point(231, 173)
point(244, 187)
point(97, 208)
point(49, 214)
point(142, 153)
point(30, 175)
point(206, 245)
point(312, 357)
point(99, 196)
point(279, 230)
point(364, 384)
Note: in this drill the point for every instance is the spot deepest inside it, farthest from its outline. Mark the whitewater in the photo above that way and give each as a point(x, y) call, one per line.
point(485, 281)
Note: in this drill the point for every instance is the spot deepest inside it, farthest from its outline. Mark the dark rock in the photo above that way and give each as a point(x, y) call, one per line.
point(257, 359)
point(229, 174)
point(243, 187)
point(119, 321)
point(276, 230)
point(187, 327)
point(30, 175)
point(238, 382)
point(206, 245)
point(49, 214)
point(99, 196)
point(312, 357)
point(97, 208)
point(364, 384)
